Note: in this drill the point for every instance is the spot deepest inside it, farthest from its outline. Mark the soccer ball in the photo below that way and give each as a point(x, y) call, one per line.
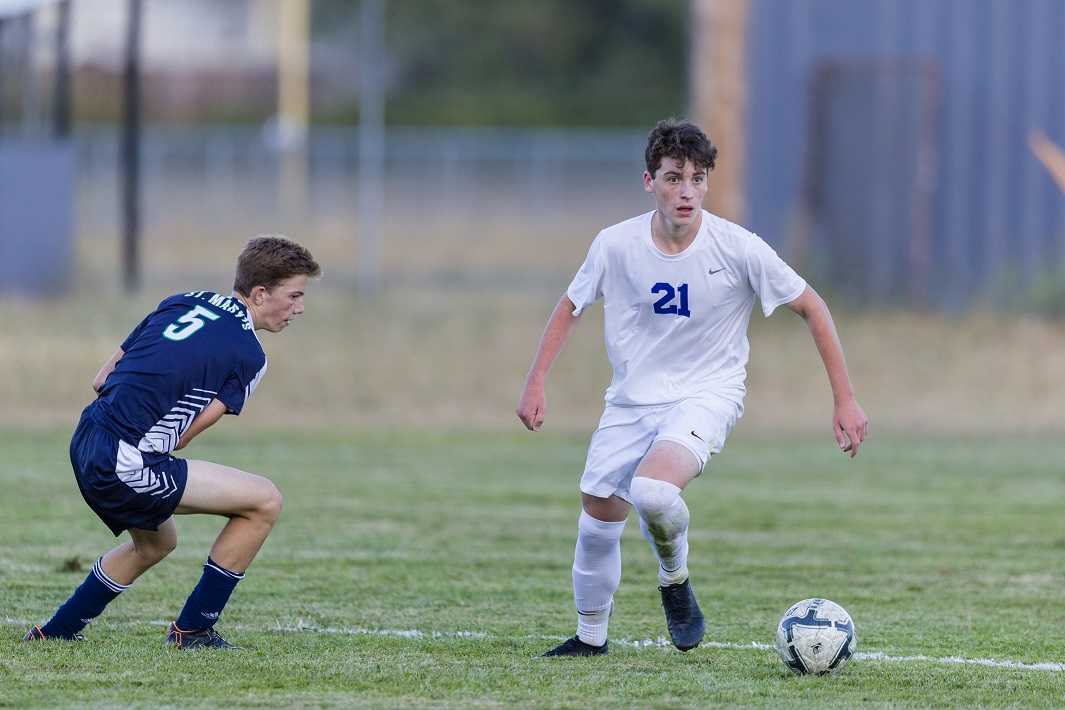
point(816, 636)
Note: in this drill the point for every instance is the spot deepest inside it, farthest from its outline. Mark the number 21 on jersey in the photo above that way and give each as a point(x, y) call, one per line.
point(669, 303)
point(189, 323)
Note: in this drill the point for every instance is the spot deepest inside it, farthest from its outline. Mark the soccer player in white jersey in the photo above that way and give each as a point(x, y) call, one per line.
point(191, 360)
point(678, 285)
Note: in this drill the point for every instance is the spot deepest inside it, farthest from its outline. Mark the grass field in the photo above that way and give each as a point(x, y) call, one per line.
point(421, 569)
point(423, 558)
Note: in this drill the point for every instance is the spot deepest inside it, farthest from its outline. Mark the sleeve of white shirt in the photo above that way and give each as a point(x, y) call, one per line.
point(587, 286)
point(774, 282)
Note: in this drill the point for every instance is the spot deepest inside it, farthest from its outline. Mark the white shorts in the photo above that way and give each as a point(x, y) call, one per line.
point(625, 435)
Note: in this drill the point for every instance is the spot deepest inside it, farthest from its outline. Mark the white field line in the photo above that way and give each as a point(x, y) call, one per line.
point(301, 626)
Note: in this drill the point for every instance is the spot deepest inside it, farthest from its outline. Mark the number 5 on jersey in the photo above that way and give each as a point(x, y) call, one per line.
point(189, 323)
point(665, 304)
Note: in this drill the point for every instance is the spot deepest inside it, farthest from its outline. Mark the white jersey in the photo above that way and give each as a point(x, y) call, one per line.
point(676, 326)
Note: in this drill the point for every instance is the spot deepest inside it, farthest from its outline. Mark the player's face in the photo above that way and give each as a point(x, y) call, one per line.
point(679, 188)
point(277, 307)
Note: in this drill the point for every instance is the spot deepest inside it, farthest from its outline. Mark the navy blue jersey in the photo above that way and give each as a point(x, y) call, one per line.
point(193, 348)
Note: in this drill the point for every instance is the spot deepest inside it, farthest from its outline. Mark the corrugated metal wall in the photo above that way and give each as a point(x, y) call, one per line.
point(995, 70)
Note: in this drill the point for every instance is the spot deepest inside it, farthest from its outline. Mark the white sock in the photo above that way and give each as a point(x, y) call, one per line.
point(596, 576)
point(673, 569)
point(664, 521)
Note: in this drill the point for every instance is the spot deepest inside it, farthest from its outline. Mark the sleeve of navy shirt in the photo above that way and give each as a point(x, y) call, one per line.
point(245, 374)
point(242, 381)
point(132, 337)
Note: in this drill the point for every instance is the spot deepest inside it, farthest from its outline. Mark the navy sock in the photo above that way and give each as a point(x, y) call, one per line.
point(85, 604)
point(207, 600)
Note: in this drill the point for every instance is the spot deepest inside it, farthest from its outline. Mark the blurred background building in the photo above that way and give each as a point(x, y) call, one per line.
point(889, 140)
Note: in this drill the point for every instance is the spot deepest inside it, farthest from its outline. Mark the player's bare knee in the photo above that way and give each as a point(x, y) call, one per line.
point(153, 553)
point(270, 504)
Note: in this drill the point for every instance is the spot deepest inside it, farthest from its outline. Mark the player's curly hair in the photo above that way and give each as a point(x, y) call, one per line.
point(682, 140)
point(269, 259)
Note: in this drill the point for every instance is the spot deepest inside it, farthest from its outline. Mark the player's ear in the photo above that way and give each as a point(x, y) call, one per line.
point(648, 181)
point(258, 295)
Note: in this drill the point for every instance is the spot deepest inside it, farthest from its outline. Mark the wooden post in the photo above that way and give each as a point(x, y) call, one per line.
point(718, 91)
point(294, 103)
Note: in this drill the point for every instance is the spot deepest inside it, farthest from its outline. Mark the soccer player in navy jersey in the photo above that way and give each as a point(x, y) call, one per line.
point(193, 359)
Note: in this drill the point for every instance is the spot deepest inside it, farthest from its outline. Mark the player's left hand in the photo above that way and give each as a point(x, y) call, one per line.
point(850, 426)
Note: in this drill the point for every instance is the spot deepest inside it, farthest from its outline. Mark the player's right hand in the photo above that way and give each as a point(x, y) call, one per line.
point(850, 426)
point(531, 407)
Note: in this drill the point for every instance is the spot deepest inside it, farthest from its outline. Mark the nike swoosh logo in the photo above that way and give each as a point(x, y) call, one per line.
point(714, 271)
point(697, 436)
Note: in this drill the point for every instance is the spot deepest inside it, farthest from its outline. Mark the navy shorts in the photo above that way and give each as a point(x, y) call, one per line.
point(125, 487)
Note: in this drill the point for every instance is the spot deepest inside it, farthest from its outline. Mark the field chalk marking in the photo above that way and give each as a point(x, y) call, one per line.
point(301, 626)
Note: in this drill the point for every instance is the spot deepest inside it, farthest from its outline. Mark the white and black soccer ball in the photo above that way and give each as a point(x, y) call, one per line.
point(816, 636)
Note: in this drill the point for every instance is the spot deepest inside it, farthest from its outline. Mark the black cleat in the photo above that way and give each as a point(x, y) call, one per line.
point(200, 638)
point(576, 647)
point(37, 634)
point(683, 617)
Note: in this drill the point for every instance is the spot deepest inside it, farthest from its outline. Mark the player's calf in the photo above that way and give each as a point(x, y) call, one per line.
point(664, 520)
point(208, 599)
point(596, 575)
point(145, 549)
point(86, 603)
